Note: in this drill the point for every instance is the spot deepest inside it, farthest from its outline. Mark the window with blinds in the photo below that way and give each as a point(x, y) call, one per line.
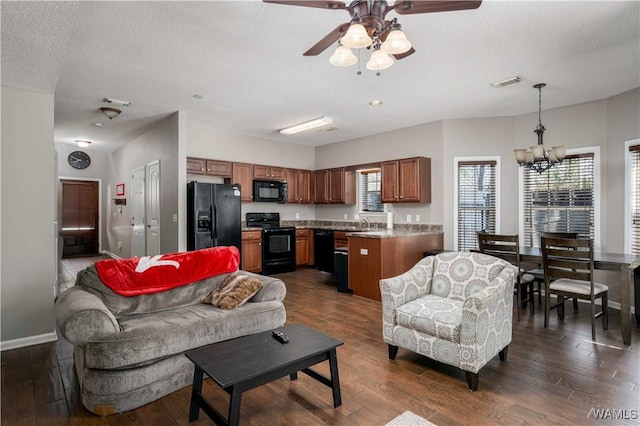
point(560, 199)
point(634, 151)
point(476, 203)
point(370, 196)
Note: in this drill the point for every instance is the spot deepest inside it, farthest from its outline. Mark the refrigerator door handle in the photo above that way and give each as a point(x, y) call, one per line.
point(214, 223)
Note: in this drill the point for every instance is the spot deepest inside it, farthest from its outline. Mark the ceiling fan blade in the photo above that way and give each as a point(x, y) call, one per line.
point(405, 54)
point(409, 7)
point(328, 40)
point(326, 4)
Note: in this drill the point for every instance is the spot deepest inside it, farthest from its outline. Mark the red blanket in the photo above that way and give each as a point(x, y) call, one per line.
point(153, 274)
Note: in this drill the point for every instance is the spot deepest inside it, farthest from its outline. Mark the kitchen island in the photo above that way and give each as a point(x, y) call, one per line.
point(378, 254)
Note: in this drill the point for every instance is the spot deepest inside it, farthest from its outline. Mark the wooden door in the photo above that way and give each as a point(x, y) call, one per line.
point(389, 184)
point(80, 218)
point(243, 175)
point(320, 178)
point(304, 187)
point(292, 186)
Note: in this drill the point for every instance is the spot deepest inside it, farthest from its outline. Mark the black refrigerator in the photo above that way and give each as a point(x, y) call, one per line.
point(213, 215)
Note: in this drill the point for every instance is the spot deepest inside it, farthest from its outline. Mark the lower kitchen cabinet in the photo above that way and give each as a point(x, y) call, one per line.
point(371, 259)
point(252, 251)
point(304, 247)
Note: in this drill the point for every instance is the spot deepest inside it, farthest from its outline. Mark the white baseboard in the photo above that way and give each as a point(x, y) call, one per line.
point(28, 341)
point(112, 255)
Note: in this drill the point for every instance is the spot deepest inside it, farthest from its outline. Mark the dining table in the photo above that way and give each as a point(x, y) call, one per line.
point(628, 268)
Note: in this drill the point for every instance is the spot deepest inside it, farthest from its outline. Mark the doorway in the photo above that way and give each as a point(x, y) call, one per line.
point(145, 210)
point(79, 218)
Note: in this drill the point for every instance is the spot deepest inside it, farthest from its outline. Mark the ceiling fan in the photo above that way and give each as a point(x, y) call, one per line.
point(369, 28)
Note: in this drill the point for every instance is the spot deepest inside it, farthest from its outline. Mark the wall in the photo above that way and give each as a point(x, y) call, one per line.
point(98, 170)
point(158, 143)
point(27, 239)
point(424, 141)
point(209, 143)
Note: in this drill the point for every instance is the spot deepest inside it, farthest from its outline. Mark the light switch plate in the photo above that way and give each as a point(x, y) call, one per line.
point(297, 215)
point(408, 218)
point(175, 217)
point(346, 216)
point(417, 218)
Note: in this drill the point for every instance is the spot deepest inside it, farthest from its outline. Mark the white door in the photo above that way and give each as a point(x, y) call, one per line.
point(153, 208)
point(138, 236)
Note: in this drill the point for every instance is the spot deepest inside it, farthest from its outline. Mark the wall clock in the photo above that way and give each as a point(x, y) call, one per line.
point(79, 160)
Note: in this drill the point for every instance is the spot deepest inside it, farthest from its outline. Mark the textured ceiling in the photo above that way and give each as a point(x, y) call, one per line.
point(245, 59)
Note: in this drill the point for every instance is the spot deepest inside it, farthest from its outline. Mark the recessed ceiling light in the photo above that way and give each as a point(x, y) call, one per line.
point(198, 96)
point(96, 124)
point(375, 103)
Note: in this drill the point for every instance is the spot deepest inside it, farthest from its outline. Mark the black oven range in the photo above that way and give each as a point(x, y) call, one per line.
point(278, 243)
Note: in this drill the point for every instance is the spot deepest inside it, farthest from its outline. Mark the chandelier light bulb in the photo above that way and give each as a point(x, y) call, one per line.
point(343, 57)
point(356, 37)
point(379, 61)
point(396, 43)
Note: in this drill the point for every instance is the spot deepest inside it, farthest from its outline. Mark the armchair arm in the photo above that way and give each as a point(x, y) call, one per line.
point(396, 291)
point(82, 317)
point(486, 317)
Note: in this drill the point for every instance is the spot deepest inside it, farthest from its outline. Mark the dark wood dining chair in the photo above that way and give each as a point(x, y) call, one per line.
point(538, 273)
point(507, 247)
point(568, 270)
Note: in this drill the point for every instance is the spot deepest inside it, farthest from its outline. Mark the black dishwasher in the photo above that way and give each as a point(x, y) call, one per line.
point(323, 249)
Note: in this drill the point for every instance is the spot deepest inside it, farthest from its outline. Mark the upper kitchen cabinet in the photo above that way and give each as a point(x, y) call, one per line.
point(269, 173)
point(299, 186)
point(202, 166)
point(242, 173)
point(406, 181)
point(335, 186)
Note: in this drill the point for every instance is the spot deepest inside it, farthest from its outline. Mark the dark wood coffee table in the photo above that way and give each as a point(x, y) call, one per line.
point(244, 363)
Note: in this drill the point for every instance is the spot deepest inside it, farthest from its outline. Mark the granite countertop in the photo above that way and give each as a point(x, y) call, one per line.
point(392, 233)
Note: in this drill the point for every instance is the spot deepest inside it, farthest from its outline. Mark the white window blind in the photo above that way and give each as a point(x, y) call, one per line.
point(634, 150)
point(476, 201)
point(560, 199)
point(370, 197)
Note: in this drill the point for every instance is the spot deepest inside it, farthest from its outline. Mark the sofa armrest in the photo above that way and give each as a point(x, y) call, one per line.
point(82, 317)
point(273, 289)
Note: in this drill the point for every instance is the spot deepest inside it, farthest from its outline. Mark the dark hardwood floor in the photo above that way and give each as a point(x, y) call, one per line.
point(552, 376)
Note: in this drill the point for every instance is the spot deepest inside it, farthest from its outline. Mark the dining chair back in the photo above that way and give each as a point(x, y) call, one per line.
point(568, 269)
point(507, 247)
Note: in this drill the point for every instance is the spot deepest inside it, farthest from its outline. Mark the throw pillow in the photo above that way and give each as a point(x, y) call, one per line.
point(234, 291)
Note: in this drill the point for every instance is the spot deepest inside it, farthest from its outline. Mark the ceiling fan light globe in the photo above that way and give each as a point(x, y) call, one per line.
point(560, 151)
point(379, 61)
point(356, 37)
point(343, 57)
point(396, 43)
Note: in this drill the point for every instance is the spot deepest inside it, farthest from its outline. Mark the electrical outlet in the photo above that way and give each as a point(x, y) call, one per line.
point(417, 218)
point(346, 216)
point(408, 218)
point(297, 215)
point(175, 217)
point(356, 216)
point(119, 245)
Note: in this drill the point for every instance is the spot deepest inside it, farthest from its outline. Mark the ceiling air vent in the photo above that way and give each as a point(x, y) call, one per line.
point(507, 82)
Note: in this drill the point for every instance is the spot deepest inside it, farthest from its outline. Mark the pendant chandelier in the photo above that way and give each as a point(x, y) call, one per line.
point(536, 157)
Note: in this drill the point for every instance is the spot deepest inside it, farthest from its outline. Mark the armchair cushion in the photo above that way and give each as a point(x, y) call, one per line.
point(433, 315)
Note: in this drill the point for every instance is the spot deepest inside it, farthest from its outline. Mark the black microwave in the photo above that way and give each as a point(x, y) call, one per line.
point(269, 191)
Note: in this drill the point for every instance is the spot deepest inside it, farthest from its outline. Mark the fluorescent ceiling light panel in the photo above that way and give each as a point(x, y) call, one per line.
point(307, 125)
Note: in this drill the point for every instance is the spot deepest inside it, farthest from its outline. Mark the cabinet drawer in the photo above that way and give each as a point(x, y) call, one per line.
point(251, 235)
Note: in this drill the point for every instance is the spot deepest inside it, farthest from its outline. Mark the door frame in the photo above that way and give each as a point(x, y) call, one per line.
point(100, 212)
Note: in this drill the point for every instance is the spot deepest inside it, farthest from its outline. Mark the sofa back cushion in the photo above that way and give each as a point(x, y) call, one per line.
point(187, 295)
point(458, 275)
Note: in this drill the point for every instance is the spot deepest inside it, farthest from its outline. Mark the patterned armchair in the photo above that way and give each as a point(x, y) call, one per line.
point(455, 308)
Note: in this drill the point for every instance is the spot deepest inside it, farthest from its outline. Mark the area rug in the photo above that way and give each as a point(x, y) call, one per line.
point(409, 419)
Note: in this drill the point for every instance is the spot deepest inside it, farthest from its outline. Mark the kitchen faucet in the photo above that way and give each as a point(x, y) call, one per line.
point(367, 222)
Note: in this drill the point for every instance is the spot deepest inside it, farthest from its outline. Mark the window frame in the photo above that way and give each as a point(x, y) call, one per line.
point(359, 187)
point(628, 229)
point(597, 182)
point(456, 175)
